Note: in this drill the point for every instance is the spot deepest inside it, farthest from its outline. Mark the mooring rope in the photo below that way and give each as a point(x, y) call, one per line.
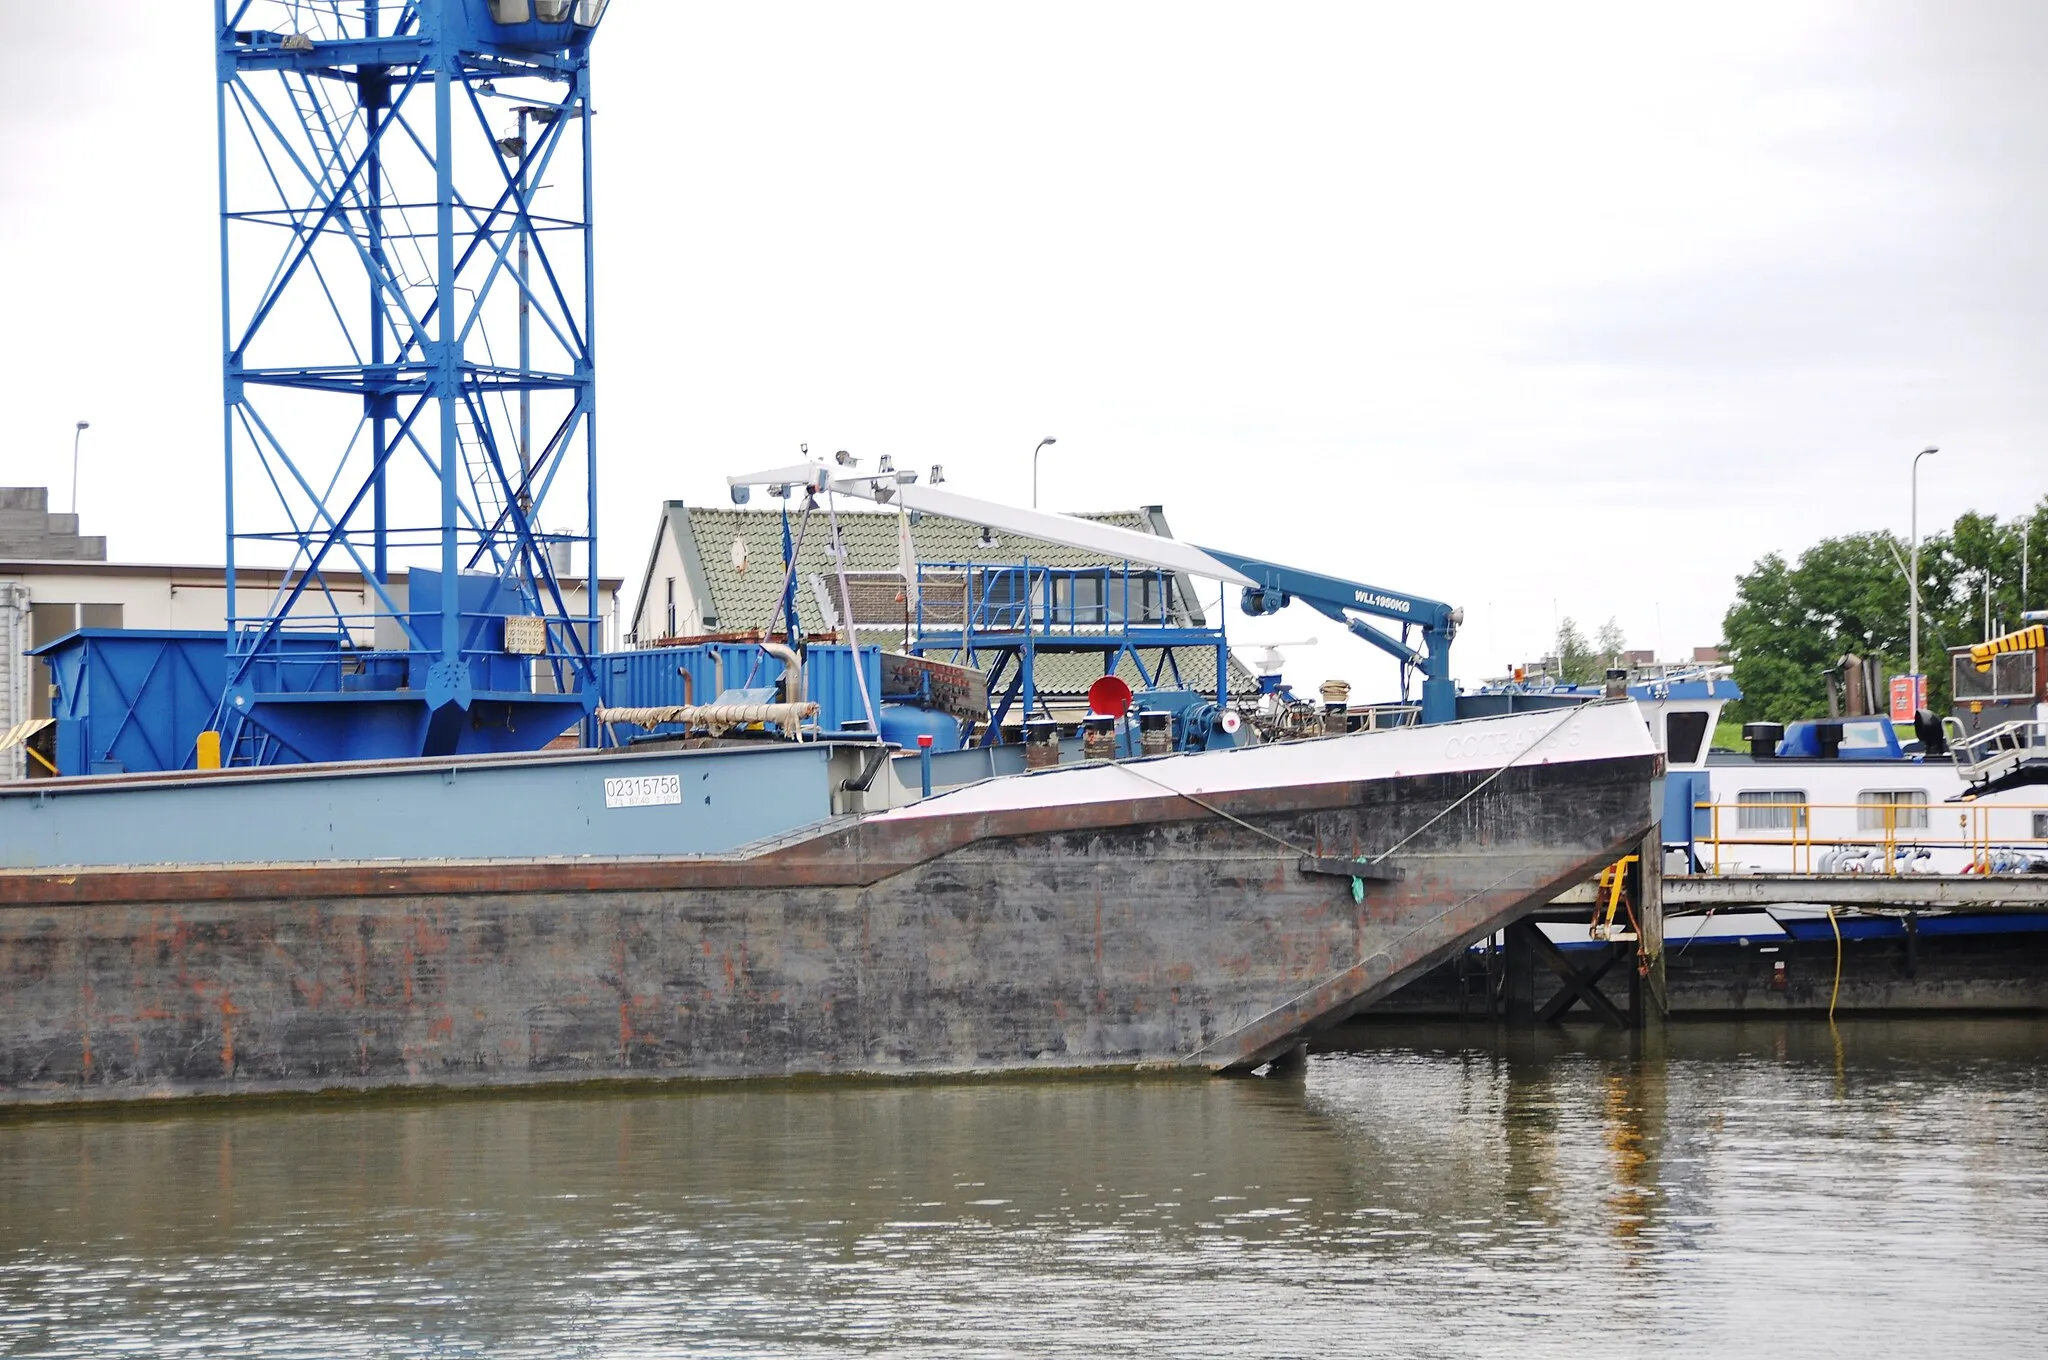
point(1836, 995)
point(1464, 798)
point(1211, 807)
point(1475, 790)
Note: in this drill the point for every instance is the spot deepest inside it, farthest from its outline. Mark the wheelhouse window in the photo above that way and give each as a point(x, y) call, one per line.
point(1771, 810)
point(512, 11)
point(1907, 809)
point(1684, 734)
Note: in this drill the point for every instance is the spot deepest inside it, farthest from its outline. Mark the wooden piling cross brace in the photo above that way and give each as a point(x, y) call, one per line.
point(1579, 984)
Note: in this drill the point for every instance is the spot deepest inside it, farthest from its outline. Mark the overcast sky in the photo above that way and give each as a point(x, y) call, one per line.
point(1539, 309)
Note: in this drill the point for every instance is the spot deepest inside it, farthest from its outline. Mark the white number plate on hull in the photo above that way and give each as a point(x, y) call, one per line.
point(646, 790)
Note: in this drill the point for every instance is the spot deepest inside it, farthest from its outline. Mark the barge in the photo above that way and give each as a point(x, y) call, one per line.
point(1203, 910)
point(332, 846)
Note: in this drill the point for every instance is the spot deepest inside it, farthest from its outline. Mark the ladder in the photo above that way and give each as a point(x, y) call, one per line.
point(1476, 977)
point(484, 481)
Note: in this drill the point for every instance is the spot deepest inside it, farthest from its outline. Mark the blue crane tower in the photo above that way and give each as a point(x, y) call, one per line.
point(409, 375)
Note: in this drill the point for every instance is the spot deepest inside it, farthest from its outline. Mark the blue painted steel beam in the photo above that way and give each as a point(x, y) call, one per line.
point(352, 177)
point(1344, 601)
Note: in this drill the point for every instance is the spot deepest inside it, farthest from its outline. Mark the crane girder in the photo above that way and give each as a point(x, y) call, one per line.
point(1343, 601)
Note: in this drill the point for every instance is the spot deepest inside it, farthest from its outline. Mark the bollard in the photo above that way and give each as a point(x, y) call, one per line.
point(1098, 737)
point(924, 761)
point(1155, 733)
point(1041, 744)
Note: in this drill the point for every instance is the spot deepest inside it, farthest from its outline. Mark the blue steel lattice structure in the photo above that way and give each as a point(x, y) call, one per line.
point(409, 373)
point(1002, 616)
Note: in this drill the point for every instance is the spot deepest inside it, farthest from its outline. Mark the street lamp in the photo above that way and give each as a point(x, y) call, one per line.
point(83, 426)
point(1034, 468)
point(1913, 584)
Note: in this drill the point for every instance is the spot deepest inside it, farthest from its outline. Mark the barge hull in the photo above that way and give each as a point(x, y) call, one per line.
point(1148, 932)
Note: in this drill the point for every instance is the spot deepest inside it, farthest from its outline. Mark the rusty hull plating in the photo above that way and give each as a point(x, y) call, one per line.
point(1143, 933)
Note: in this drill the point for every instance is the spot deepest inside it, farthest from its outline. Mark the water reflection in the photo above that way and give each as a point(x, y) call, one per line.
point(1433, 1191)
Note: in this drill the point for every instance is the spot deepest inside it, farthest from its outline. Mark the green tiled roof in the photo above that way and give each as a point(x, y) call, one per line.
point(744, 600)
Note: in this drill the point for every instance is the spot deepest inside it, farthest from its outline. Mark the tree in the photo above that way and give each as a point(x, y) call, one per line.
point(1577, 662)
point(1611, 642)
point(1792, 623)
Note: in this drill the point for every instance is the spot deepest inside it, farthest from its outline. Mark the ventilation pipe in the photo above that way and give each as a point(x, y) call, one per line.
point(792, 670)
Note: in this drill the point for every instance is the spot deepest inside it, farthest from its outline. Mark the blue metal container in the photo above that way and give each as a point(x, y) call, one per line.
point(668, 677)
point(833, 683)
point(133, 699)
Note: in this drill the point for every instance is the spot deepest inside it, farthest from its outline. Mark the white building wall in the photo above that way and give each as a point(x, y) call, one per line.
point(14, 673)
point(651, 616)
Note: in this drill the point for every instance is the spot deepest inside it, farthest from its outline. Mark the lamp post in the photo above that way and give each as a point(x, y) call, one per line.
point(1913, 584)
point(83, 426)
point(1034, 468)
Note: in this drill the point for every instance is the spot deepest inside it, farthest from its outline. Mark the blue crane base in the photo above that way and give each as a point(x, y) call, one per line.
point(389, 726)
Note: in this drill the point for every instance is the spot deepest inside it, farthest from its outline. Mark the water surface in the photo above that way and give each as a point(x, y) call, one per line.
point(1728, 1190)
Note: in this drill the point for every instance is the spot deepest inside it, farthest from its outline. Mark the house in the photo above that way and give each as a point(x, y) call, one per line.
point(719, 572)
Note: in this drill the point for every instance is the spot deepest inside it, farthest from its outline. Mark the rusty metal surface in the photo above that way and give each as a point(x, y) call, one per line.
point(1056, 937)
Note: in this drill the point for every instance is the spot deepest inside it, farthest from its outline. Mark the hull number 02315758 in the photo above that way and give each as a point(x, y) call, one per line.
point(643, 790)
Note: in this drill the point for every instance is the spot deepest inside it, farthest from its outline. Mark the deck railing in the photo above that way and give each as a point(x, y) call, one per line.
point(1888, 848)
point(1998, 750)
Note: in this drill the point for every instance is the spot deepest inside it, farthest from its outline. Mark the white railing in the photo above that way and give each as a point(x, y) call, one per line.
point(1996, 751)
